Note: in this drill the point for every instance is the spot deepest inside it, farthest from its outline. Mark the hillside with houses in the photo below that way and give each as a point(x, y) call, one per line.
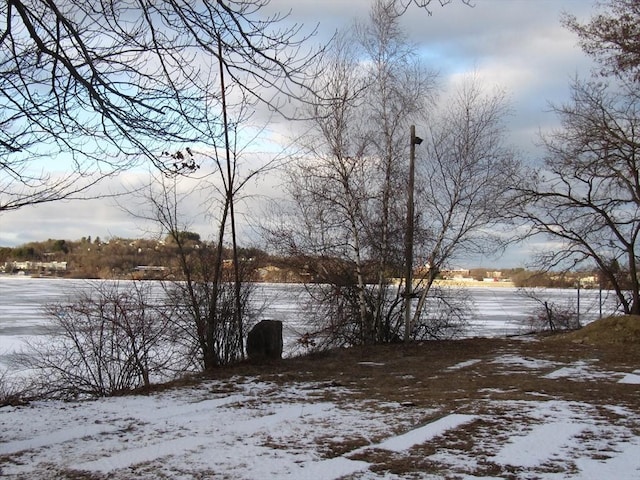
point(120, 258)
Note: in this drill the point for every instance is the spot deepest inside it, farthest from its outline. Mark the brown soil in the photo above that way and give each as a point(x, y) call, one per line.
point(609, 331)
point(421, 374)
point(499, 380)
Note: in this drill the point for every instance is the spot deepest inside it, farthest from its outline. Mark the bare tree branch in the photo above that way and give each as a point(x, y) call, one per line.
point(586, 197)
point(99, 87)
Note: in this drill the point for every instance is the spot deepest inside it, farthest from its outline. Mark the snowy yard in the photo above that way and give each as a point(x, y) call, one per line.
point(298, 424)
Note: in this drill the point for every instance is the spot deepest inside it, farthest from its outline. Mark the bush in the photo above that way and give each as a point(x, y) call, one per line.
point(11, 391)
point(204, 311)
point(333, 313)
point(550, 316)
point(108, 339)
point(447, 315)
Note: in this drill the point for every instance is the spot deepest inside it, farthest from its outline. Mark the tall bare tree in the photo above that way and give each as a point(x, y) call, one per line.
point(463, 181)
point(348, 189)
point(586, 197)
point(107, 84)
point(331, 193)
point(399, 92)
point(210, 299)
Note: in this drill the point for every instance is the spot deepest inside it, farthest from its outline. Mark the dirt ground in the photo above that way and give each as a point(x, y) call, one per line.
point(489, 377)
point(421, 373)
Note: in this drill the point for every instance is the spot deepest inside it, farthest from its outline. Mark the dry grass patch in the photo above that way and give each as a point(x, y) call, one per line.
point(497, 379)
point(449, 375)
point(615, 330)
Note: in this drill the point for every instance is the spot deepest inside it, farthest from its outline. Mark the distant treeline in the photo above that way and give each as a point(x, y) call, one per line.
point(113, 258)
point(149, 258)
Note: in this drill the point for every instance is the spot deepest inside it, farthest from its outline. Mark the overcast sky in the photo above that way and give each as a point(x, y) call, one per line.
point(518, 45)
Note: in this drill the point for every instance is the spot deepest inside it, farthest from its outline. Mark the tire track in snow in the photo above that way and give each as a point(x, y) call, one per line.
point(543, 443)
point(425, 433)
point(54, 438)
point(202, 436)
point(75, 432)
point(338, 467)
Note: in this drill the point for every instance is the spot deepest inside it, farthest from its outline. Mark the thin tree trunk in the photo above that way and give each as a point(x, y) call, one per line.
point(635, 288)
point(237, 314)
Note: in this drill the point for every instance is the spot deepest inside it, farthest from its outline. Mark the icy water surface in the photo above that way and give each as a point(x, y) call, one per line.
point(498, 311)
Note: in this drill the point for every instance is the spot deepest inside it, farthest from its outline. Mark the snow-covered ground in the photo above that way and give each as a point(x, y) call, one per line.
point(250, 428)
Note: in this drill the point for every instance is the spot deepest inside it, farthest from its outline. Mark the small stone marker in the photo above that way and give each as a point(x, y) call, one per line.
point(264, 341)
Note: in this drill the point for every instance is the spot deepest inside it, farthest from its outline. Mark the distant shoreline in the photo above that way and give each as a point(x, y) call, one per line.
point(394, 281)
point(461, 283)
point(475, 283)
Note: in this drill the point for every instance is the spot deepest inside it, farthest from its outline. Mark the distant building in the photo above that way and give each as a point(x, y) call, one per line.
point(30, 266)
point(150, 268)
point(455, 274)
point(588, 281)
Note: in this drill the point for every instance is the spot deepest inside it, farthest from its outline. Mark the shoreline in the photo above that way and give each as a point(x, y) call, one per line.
point(392, 281)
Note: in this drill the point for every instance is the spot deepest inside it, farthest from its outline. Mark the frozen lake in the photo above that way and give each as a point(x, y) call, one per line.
point(498, 311)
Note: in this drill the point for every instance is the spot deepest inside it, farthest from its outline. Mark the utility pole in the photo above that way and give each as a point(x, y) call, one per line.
point(409, 234)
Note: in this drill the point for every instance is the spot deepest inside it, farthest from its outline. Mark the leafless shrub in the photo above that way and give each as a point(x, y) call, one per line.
point(553, 317)
point(204, 312)
point(447, 315)
point(332, 310)
point(341, 314)
point(13, 390)
point(549, 315)
point(110, 338)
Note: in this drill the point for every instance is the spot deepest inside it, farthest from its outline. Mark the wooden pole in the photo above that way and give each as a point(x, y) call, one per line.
point(409, 234)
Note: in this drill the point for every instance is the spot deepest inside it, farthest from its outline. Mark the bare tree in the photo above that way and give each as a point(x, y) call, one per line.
point(399, 90)
point(346, 210)
point(240, 63)
point(612, 37)
point(400, 7)
point(209, 293)
point(586, 196)
point(331, 193)
point(464, 178)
